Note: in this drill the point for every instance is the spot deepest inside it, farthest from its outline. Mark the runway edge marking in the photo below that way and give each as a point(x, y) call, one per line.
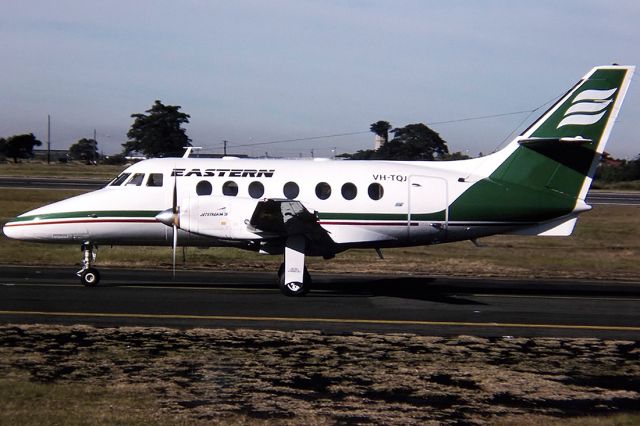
point(326, 320)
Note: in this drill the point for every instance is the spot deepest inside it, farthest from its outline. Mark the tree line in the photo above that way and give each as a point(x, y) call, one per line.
point(160, 132)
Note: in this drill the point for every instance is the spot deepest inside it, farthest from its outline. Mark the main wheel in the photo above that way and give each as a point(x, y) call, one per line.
point(294, 289)
point(90, 277)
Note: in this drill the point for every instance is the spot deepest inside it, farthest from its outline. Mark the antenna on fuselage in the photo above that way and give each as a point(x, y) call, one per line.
point(188, 150)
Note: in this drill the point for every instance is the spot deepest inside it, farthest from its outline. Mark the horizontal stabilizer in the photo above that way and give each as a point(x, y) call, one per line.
point(562, 227)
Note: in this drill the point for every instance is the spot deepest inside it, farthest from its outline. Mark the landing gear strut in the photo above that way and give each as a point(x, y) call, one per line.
point(293, 277)
point(89, 276)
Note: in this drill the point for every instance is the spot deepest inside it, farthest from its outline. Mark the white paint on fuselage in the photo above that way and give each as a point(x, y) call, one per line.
point(394, 177)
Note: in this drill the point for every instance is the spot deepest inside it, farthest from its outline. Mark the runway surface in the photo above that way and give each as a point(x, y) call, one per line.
point(594, 197)
point(338, 303)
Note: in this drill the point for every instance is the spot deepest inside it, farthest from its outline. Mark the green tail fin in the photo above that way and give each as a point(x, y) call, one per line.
point(561, 150)
point(549, 167)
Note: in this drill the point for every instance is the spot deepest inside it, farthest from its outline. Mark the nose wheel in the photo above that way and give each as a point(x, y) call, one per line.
point(89, 276)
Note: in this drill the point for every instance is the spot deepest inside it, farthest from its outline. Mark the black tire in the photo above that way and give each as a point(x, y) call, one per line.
point(90, 277)
point(294, 289)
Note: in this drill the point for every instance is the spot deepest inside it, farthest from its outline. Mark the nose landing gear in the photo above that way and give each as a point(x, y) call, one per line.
point(89, 276)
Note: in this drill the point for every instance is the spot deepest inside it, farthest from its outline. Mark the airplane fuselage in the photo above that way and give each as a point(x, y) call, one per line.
point(359, 203)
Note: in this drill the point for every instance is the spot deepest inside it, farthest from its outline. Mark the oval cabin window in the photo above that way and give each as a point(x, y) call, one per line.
point(256, 189)
point(323, 190)
point(204, 188)
point(349, 191)
point(291, 190)
point(230, 188)
point(376, 191)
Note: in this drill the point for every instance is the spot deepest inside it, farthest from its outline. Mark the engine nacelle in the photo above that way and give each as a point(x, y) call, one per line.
point(219, 217)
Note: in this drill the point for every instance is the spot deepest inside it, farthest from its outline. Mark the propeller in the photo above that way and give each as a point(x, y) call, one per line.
point(171, 217)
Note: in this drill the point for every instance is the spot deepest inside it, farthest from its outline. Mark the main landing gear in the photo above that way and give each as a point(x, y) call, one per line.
point(294, 288)
point(293, 277)
point(89, 276)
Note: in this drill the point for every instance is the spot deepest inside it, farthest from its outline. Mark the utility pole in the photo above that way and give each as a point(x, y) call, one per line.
point(48, 138)
point(94, 152)
point(225, 148)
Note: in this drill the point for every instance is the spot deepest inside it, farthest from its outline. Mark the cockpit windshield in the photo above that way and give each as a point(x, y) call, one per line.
point(136, 180)
point(120, 179)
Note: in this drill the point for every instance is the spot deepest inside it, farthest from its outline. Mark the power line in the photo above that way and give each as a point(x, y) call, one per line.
point(483, 117)
point(335, 135)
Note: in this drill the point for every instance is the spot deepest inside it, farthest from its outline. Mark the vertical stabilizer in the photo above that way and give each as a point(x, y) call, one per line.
point(545, 172)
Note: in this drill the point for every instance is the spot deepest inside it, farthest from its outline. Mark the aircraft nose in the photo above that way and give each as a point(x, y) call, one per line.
point(12, 230)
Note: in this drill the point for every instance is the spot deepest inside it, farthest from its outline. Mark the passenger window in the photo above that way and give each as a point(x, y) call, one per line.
point(349, 191)
point(118, 181)
point(323, 190)
point(256, 189)
point(291, 190)
point(136, 180)
point(204, 188)
point(155, 179)
point(376, 191)
point(230, 188)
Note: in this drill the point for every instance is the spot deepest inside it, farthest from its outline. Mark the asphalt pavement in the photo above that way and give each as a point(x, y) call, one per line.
point(338, 303)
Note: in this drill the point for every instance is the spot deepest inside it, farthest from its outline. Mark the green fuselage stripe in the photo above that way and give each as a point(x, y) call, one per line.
point(89, 214)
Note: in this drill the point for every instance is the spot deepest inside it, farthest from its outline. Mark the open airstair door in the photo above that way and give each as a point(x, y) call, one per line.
point(428, 208)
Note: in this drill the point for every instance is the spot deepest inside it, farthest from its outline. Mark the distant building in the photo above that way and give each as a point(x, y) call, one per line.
point(379, 141)
point(57, 155)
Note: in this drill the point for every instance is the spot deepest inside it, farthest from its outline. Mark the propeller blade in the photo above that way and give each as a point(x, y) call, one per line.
point(175, 246)
point(174, 206)
point(174, 211)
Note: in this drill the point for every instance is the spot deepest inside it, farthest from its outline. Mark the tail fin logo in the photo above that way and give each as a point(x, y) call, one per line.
point(588, 108)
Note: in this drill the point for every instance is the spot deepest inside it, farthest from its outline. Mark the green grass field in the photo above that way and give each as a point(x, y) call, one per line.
point(58, 170)
point(605, 245)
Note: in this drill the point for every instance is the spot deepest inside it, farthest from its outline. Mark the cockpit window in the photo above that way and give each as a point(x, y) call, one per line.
point(118, 181)
point(155, 179)
point(136, 179)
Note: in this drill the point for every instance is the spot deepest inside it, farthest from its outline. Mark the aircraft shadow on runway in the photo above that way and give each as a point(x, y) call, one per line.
point(440, 290)
point(413, 288)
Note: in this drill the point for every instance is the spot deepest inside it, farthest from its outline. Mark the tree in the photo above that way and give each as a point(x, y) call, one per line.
point(20, 146)
point(419, 142)
point(3, 148)
point(158, 133)
point(615, 170)
point(381, 128)
point(85, 150)
point(412, 142)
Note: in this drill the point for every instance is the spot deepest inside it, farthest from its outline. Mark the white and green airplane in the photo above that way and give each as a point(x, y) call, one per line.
point(536, 185)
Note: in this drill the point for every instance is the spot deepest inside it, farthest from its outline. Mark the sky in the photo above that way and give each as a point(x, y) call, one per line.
point(256, 73)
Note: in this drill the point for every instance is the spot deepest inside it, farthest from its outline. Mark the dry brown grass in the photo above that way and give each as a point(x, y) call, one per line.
point(167, 376)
